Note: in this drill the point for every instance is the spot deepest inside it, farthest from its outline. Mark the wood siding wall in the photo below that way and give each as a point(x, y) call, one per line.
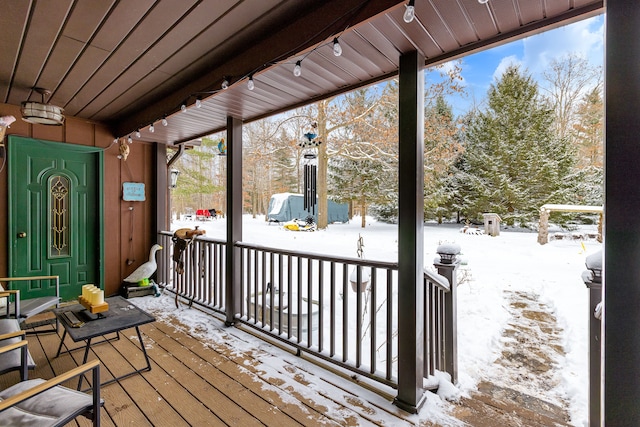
point(124, 250)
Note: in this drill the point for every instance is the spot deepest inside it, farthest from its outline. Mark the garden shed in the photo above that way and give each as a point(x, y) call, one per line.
point(287, 206)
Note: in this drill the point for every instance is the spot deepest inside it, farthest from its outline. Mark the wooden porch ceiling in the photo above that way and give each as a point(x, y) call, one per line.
point(129, 63)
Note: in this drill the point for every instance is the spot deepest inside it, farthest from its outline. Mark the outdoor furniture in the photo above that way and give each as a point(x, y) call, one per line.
point(120, 316)
point(41, 402)
point(22, 309)
point(13, 355)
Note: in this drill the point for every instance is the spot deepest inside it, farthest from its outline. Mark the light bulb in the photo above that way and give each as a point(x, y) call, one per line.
point(198, 103)
point(164, 121)
point(129, 140)
point(483, 1)
point(137, 133)
point(337, 49)
point(297, 70)
point(151, 128)
point(410, 12)
point(115, 140)
point(183, 108)
point(225, 84)
point(250, 84)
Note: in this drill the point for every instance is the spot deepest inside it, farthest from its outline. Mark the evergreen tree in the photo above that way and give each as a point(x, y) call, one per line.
point(513, 162)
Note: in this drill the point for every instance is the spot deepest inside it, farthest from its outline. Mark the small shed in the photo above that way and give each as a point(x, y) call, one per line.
point(284, 207)
point(492, 224)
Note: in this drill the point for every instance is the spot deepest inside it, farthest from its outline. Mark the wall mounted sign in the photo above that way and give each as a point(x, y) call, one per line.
point(133, 191)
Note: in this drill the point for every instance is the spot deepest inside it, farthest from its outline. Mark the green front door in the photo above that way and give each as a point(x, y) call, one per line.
point(54, 214)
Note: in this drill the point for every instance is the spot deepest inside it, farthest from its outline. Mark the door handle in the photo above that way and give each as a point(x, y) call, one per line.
point(22, 235)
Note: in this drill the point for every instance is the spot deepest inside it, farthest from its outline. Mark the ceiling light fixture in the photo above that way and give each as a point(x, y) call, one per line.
point(410, 12)
point(198, 103)
point(297, 70)
point(337, 49)
point(42, 113)
point(250, 84)
point(152, 129)
point(225, 84)
point(138, 133)
point(183, 108)
point(164, 121)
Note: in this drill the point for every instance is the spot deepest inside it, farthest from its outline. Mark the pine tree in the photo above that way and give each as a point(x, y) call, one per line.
point(513, 163)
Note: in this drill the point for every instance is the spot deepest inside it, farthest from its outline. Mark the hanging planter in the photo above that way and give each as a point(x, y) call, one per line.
point(365, 278)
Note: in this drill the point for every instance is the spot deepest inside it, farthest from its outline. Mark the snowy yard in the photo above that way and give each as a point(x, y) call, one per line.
point(492, 270)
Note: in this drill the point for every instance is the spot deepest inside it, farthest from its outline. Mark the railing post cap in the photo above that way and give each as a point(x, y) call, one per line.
point(448, 252)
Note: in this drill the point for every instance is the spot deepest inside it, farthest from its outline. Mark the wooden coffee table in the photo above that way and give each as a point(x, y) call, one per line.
point(121, 315)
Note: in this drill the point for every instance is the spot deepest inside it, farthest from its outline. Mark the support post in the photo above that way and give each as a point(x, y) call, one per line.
point(448, 267)
point(411, 234)
point(163, 212)
point(592, 278)
point(621, 284)
point(234, 219)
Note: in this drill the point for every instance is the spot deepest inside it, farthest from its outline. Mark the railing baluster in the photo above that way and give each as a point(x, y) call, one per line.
point(345, 313)
point(372, 327)
point(320, 303)
point(299, 302)
point(332, 310)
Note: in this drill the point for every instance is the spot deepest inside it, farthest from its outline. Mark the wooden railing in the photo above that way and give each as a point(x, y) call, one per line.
point(341, 310)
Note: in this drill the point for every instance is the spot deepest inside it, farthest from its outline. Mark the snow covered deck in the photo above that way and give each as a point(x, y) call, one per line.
point(228, 378)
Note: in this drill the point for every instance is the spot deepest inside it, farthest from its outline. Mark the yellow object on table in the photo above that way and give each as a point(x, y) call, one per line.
point(92, 299)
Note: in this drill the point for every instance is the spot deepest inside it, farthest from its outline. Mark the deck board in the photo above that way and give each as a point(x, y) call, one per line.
point(226, 381)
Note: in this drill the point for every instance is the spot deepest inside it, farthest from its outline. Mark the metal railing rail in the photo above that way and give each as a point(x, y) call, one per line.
point(342, 310)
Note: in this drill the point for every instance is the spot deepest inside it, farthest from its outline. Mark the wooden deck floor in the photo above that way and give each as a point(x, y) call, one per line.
point(229, 381)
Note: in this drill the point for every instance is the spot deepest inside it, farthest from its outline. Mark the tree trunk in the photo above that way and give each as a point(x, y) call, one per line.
point(363, 209)
point(323, 161)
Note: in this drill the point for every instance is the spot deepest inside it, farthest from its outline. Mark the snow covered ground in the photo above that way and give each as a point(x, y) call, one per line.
point(492, 267)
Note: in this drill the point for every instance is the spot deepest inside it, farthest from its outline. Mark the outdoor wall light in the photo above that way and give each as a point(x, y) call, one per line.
point(173, 177)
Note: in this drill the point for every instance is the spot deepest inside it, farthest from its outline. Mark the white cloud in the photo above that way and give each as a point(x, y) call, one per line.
point(505, 63)
point(584, 38)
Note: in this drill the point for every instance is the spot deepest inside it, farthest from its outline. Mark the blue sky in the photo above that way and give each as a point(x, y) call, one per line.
point(534, 53)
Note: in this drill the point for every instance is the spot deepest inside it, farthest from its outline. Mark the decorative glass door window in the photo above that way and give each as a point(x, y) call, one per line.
point(59, 216)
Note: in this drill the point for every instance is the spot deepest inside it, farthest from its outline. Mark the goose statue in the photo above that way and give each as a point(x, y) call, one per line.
point(145, 270)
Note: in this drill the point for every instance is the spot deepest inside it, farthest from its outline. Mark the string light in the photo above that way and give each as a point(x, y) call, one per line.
point(409, 16)
point(410, 12)
point(483, 1)
point(130, 140)
point(337, 49)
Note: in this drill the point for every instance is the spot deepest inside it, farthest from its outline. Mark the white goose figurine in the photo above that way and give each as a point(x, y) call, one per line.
point(147, 269)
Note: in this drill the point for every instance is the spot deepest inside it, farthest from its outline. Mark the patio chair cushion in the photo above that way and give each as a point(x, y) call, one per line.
point(29, 307)
point(46, 409)
point(10, 361)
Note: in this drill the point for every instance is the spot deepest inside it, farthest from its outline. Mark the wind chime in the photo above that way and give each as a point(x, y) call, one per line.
point(309, 145)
